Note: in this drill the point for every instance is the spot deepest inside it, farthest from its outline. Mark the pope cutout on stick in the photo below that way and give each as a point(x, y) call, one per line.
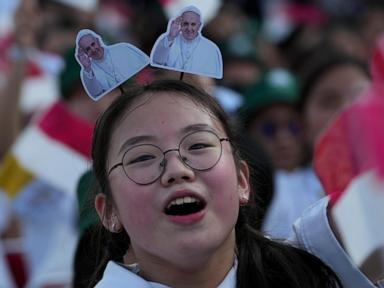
point(183, 48)
point(103, 67)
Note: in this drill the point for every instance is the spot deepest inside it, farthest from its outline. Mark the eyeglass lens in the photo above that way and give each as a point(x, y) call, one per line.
point(144, 163)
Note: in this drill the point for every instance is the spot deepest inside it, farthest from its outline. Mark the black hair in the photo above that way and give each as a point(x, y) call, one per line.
point(261, 262)
point(261, 177)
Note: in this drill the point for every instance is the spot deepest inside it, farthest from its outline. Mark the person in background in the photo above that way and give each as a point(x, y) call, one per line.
point(26, 27)
point(270, 116)
point(39, 174)
point(29, 70)
point(32, 45)
point(330, 81)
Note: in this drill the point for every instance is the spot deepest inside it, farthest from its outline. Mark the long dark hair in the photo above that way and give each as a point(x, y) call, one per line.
point(261, 262)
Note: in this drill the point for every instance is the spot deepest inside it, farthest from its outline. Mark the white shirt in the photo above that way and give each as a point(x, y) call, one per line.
point(294, 192)
point(115, 275)
point(313, 233)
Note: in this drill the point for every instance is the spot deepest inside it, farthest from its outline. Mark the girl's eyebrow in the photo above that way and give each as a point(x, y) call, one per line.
point(150, 138)
point(135, 140)
point(196, 127)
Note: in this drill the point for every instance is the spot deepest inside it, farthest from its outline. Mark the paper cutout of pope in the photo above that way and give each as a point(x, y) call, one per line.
point(103, 67)
point(183, 48)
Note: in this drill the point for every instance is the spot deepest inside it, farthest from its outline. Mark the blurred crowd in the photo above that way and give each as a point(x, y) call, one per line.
point(290, 66)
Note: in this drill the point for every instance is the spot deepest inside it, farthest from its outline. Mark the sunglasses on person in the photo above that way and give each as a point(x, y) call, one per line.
point(270, 128)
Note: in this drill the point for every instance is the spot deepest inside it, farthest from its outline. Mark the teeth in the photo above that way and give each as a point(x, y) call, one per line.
point(188, 200)
point(180, 201)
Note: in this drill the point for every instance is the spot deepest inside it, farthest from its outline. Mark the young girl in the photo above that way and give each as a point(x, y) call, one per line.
point(175, 195)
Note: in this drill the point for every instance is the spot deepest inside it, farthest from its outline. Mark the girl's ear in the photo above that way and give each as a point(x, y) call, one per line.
point(107, 214)
point(243, 183)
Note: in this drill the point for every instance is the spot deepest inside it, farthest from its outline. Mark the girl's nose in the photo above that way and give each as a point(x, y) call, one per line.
point(175, 171)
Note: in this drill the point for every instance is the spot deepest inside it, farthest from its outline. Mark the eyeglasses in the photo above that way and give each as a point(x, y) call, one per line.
point(145, 163)
point(270, 128)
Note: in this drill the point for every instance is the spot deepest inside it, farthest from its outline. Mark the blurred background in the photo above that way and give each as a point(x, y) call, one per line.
point(290, 66)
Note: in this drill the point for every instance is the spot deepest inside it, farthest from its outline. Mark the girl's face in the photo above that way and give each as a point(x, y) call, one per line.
point(156, 236)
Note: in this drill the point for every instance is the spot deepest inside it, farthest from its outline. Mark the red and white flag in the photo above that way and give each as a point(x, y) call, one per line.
point(39, 176)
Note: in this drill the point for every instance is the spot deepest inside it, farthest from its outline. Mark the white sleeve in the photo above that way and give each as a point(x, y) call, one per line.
point(313, 233)
point(89, 75)
point(162, 49)
point(91, 83)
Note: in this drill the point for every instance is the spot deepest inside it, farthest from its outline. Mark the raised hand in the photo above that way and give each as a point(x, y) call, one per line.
point(83, 59)
point(174, 29)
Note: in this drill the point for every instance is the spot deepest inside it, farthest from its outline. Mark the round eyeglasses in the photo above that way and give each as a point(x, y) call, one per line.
point(145, 163)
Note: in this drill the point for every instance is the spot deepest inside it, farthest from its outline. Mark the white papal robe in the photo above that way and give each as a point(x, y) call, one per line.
point(199, 56)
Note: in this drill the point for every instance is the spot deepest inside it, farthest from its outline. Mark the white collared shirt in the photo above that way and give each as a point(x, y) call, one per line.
point(117, 275)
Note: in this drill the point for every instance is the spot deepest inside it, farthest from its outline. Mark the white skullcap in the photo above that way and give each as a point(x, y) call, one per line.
point(194, 9)
point(191, 8)
point(84, 32)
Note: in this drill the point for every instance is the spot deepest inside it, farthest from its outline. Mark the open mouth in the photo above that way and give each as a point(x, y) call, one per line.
point(184, 206)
